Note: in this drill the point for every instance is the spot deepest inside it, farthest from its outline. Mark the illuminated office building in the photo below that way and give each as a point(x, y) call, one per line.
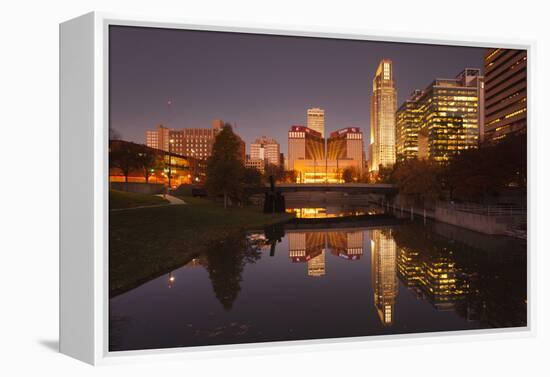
point(306, 154)
point(307, 147)
point(316, 120)
point(384, 274)
point(382, 116)
point(256, 164)
point(505, 92)
point(266, 150)
point(158, 138)
point(191, 142)
point(407, 123)
point(347, 144)
point(450, 112)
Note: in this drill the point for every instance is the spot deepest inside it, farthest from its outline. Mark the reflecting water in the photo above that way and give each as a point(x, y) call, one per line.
point(291, 284)
point(333, 211)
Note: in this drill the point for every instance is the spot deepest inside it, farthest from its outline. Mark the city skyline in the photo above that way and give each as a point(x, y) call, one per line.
point(274, 76)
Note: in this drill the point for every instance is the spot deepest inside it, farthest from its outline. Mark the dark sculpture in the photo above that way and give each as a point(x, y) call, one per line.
point(274, 201)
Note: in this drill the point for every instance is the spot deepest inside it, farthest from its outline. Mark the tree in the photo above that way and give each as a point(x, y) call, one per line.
point(418, 179)
point(252, 177)
point(225, 264)
point(114, 134)
point(478, 173)
point(347, 175)
point(225, 170)
point(148, 160)
point(289, 176)
point(123, 156)
point(276, 171)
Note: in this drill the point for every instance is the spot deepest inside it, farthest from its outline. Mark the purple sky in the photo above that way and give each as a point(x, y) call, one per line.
point(264, 84)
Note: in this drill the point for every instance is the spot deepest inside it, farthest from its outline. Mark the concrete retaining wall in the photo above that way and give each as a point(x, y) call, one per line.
point(473, 221)
point(138, 187)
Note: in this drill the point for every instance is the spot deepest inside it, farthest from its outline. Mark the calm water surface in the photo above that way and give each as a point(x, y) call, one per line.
point(297, 283)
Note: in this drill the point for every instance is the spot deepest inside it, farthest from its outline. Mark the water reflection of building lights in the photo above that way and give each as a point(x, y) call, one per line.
point(316, 266)
point(311, 247)
point(384, 274)
point(171, 280)
point(323, 212)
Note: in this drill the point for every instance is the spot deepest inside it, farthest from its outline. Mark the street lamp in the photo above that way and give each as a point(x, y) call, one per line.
point(171, 279)
point(193, 156)
point(171, 141)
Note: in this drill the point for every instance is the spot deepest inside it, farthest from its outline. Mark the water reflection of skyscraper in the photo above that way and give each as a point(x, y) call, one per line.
point(384, 274)
point(433, 274)
point(311, 246)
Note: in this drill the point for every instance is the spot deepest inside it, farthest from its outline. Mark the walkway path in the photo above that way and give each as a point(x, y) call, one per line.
point(172, 199)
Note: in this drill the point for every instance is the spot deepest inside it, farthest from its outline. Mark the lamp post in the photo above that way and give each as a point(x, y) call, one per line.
point(171, 279)
point(171, 141)
point(193, 153)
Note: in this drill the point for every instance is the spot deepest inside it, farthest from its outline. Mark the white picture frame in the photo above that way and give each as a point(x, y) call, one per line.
point(84, 191)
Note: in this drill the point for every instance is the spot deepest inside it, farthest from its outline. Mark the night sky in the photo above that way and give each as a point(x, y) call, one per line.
point(263, 84)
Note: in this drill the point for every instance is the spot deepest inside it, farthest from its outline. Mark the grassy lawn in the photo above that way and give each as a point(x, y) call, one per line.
point(148, 242)
point(122, 199)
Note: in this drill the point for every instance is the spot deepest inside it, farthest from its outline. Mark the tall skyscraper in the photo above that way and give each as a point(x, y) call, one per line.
point(505, 92)
point(316, 120)
point(382, 116)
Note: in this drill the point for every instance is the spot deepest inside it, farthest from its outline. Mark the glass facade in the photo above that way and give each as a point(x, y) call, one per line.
point(505, 92)
point(383, 108)
point(445, 118)
point(407, 125)
point(316, 120)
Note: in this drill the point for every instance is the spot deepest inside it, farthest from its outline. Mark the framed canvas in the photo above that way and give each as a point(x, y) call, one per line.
point(245, 188)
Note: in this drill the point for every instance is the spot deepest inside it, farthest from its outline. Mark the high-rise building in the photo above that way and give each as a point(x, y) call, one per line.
point(407, 124)
point(443, 119)
point(191, 142)
point(451, 112)
point(384, 274)
point(347, 144)
point(194, 142)
point(505, 92)
point(256, 164)
point(306, 154)
point(158, 138)
point(266, 149)
point(316, 120)
point(305, 144)
point(382, 115)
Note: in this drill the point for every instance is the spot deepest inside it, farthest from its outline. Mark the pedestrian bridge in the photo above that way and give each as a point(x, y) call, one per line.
point(350, 188)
